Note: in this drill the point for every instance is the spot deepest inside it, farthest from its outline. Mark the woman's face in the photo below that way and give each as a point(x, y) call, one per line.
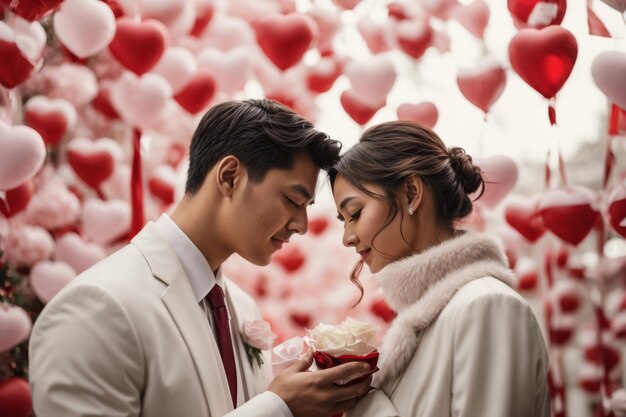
point(364, 216)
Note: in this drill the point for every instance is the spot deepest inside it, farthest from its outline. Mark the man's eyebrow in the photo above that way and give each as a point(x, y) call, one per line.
point(345, 201)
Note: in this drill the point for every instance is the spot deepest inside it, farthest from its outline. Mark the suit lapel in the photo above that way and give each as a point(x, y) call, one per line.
point(252, 375)
point(194, 327)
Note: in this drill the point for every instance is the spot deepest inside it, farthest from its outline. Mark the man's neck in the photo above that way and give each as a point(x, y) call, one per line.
point(200, 227)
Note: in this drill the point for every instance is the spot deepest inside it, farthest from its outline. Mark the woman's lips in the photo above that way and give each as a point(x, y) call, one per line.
point(364, 254)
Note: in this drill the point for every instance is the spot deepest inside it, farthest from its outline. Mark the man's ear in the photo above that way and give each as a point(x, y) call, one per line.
point(414, 192)
point(228, 173)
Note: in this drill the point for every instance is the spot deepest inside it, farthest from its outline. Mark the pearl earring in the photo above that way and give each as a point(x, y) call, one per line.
point(411, 210)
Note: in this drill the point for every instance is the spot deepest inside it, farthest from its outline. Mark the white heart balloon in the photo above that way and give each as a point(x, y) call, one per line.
point(15, 325)
point(23, 154)
point(372, 78)
point(80, 255)
point(140, 101)
point(231, 69)
point(178, 66)
point(609, 73)
point(104, 221)
point(47, 278)
point(85, 27)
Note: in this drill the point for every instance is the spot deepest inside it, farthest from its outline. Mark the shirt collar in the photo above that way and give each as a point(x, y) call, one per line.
point(194, 263)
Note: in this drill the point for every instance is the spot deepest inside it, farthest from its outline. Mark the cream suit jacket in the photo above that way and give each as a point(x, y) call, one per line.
point(127, 338)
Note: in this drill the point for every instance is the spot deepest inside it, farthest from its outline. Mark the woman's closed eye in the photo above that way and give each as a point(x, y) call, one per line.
point(354, 216)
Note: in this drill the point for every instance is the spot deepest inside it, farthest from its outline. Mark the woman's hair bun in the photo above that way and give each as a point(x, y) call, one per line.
point(467, 173)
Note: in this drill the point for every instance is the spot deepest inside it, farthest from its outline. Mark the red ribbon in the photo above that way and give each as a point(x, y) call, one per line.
point(136, 187)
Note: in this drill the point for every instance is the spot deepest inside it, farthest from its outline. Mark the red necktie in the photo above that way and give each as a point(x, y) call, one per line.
point(224, 341)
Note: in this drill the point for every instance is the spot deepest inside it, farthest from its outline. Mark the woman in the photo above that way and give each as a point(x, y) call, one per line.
point(463, 343)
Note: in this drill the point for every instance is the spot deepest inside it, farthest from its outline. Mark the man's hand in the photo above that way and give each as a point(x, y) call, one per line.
point(319, 393)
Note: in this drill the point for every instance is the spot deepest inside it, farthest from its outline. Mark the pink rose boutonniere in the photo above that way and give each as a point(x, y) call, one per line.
point(257, 336)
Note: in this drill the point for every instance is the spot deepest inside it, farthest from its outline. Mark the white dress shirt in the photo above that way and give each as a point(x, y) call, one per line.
point(202, 280)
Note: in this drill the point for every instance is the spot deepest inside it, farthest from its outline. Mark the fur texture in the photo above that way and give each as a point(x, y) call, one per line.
point(420, 286)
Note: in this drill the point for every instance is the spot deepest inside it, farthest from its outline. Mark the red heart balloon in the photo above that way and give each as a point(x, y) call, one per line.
point(568, 214)
point(162, 190)
point(522, 10)
point(15, 68)
point(51, 124)
point(321, 77)
point(93, 168)
point(290, 258)
point(102, 103)
point(17, 199)
point(204, 14)
point(300, 319)
point(527, 281)
point(544, 58)
point(359, 111)
point(15, 398)
point(617, 210)
point(425, 114)
point(525, 217)
point(318, 225)
point(483, 85)
point(198, 93)
point(138, 45)
point(381, 309)
point(30, 10)
point(285, 39)
point(414, 36)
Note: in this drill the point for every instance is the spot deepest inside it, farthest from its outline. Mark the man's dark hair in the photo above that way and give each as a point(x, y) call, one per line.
point(262, 134)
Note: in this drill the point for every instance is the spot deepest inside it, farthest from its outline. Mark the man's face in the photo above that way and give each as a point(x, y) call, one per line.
point(267, 213)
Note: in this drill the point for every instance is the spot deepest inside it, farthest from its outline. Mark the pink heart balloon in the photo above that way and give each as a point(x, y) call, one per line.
point(23, 154)
point(47, 278)
point(117, 186)
point(178, 66)
point(609, 73)
point(80, 255)
point(500, 175)
point(619, 5)
point(229, 32)
point(425, 114)
point(328, 21)
point(375, 35)
point(21, 49)
point(51, 118)
point(569, 214)
point(231, 69)
point(105, 221)
point(166, 11)
point(482, 85)
point(15, 325)
point(474, 17)
point(371, 79)
point(347, 4)
point(414, 36)
point(85, 27)
point(139, 101)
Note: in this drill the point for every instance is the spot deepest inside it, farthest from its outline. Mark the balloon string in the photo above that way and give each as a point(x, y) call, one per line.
point(614, 120)
point(136, 186)
point(609, 159)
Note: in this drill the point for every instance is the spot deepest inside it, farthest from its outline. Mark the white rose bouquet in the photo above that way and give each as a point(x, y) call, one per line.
point(350, 341)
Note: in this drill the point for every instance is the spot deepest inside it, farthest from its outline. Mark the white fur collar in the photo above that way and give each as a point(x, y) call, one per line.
point(420, 286)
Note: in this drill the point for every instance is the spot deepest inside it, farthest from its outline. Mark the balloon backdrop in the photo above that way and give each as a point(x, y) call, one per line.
point(99, 101)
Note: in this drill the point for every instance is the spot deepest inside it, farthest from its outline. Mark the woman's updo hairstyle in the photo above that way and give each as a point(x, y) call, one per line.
point(390, 153)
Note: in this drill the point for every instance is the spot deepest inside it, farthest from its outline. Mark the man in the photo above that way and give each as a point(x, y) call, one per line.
point(153, 330)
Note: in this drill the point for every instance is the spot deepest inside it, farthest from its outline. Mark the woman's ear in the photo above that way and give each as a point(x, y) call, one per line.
point(228, 172)
point(414, 188)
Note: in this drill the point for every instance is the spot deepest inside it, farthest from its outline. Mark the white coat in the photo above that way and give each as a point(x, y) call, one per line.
point(464, 344)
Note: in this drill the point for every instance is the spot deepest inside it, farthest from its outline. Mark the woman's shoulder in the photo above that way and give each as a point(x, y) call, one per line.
point(485, 290)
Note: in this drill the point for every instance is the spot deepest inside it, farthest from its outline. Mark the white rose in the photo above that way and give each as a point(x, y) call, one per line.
point(351, 337)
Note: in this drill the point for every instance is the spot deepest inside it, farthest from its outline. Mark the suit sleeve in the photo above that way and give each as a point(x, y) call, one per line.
point(500, 361)
point(85, 357)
